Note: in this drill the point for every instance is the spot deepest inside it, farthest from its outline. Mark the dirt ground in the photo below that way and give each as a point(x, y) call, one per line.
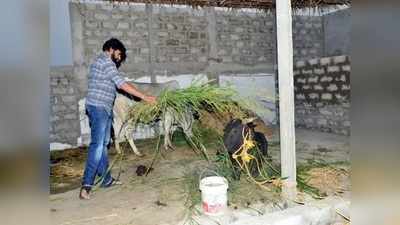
point(160, 197)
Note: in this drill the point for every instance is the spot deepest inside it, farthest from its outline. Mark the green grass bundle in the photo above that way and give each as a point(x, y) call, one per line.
point(196, 97)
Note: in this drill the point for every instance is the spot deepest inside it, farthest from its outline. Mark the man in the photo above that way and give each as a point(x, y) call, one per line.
point(104, 79)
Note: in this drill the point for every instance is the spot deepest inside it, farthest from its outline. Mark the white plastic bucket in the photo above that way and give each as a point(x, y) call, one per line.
point(214, 195)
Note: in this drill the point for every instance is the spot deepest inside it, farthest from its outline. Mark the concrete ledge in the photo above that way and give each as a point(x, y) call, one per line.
point(316, 212)
point(54, 146)
point(322, 212)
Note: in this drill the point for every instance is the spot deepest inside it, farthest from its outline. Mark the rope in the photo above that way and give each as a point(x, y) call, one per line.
point(98, 181)
point(155, 156)
point(245, 158)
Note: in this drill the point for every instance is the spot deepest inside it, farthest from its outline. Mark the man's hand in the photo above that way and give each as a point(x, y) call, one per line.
point(128, 87)
point(150, 99)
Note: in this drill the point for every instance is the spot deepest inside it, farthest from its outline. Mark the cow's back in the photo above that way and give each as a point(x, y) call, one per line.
point(123, 102)
point(155, 88)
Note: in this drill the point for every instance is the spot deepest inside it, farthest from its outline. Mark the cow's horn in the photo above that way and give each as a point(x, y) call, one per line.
point(249, 120)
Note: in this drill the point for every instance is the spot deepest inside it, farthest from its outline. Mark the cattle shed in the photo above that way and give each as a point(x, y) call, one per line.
point(294, 53)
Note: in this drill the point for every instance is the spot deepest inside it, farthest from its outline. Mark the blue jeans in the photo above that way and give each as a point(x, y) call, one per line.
point(97, 158)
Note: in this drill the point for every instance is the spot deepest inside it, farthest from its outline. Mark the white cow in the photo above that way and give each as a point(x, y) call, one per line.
point(123, 128)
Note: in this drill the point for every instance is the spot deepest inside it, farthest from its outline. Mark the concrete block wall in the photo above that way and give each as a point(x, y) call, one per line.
point(322, 94)
point(337, 29)
point(167, 40)
point(308, 37)
point(179, 37)
point(246, 39)
point(64, 118)
point(172, 42)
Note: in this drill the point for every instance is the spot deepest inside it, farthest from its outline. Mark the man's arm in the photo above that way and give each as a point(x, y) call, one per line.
point(111, 70)
point(131, 89)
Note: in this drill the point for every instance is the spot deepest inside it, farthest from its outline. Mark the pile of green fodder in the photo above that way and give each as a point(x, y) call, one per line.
point(243, 192)
point(195, 97)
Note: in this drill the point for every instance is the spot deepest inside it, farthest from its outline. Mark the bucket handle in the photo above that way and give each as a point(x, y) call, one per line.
point(210, 170)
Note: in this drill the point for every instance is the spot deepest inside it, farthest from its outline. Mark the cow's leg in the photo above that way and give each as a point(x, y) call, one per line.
point(117, 146)
point(168, 121)
point(117, 133)
point(134, 148)
point(186, 123)
point(128, 135)
point(167, 138)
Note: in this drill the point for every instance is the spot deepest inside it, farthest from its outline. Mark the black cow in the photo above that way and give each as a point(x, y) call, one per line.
point(233, 140)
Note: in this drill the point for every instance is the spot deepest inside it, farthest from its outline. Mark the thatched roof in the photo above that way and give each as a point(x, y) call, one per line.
point(259, 4)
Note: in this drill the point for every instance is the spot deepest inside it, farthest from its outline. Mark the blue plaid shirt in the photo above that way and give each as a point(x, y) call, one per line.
point(104, 79)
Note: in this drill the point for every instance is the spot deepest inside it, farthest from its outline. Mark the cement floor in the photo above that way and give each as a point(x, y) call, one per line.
point(138, 200)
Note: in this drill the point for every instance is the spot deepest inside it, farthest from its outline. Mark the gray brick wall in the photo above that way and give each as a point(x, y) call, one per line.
point(178, 39)
point(64, 120)
point(245, 39)
point(171, 41)
point(184, 40)
point(322, 94)
point(308, 37)
point(337, 29)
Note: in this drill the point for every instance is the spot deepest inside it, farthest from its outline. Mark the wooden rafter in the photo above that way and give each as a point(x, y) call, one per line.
point(259, 4)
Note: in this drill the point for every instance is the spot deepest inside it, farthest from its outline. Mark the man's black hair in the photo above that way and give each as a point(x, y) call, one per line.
point(116, 45)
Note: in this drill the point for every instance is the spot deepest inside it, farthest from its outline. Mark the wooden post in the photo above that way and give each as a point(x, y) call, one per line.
point(286, 97)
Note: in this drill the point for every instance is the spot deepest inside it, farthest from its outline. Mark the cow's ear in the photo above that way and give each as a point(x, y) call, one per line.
point(251, 125)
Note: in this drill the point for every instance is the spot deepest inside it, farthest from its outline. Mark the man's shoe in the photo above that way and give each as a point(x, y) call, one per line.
point(113, 182)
